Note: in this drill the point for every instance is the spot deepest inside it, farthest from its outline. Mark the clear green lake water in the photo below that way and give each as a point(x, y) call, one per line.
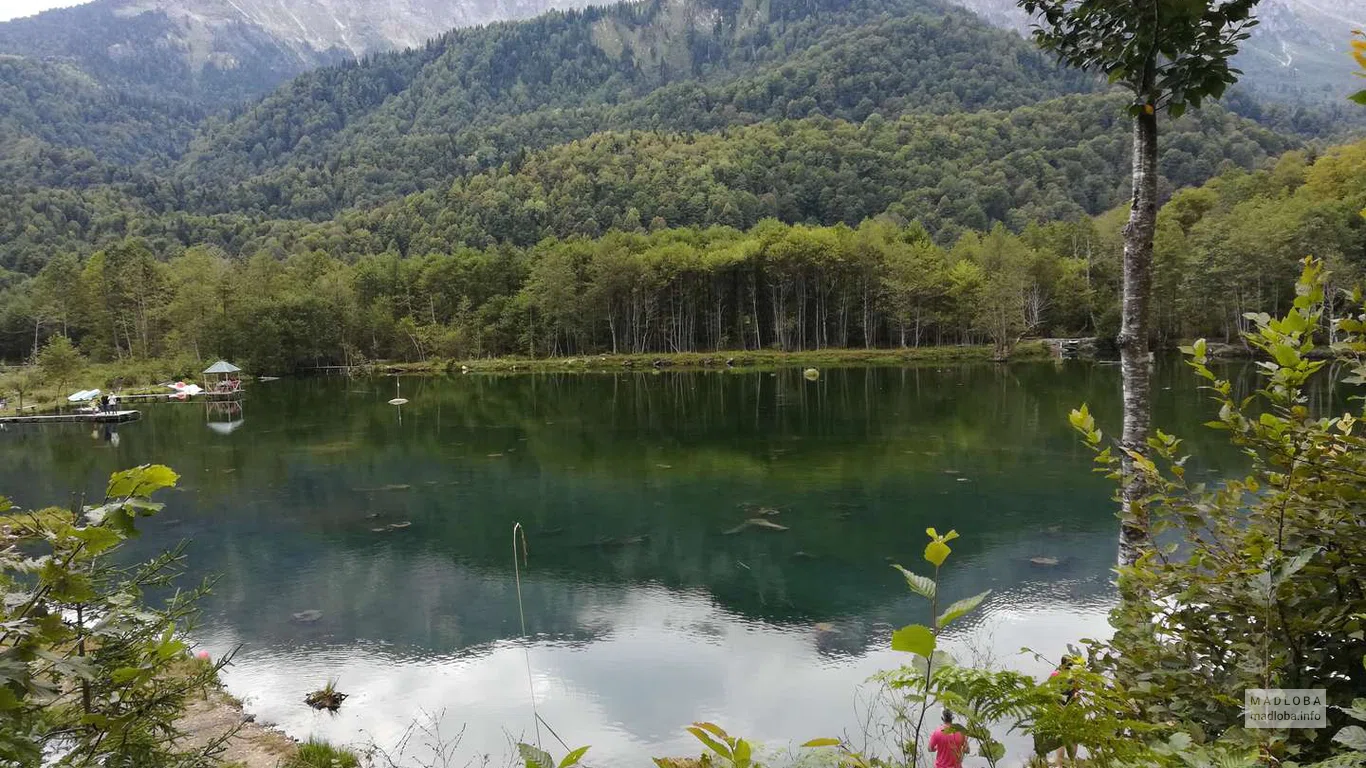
point(643, 613)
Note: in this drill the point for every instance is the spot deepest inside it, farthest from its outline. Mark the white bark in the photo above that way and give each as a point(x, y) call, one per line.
point(1133, 336)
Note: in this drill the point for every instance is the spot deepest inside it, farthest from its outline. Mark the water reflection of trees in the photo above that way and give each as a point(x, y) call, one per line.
point(620, 479)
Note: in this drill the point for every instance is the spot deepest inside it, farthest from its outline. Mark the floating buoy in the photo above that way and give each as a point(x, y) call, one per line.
point(811, 374)
point(397, 399)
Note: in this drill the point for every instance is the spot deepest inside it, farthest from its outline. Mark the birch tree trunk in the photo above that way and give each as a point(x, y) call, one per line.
point(1133, 336)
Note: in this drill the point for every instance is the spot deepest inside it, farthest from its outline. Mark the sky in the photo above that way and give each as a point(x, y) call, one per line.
point(13, 9)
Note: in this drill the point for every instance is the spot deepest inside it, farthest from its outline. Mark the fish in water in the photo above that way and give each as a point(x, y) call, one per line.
point(1044, 560)
point(403, 524)
point(309, 616)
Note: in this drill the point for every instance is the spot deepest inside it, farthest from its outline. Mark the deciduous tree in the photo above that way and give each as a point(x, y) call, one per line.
point(1170, 55)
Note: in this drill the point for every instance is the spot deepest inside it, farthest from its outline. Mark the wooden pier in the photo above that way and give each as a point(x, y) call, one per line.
point(176, 397)
point(108, 417)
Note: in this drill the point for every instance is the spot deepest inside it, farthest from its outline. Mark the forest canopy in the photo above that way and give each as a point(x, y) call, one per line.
point(334, 296)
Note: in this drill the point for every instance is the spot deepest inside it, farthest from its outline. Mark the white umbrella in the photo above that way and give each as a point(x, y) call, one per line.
point(83, 396)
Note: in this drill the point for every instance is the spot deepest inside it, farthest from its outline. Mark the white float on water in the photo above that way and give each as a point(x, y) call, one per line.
point(397, 400)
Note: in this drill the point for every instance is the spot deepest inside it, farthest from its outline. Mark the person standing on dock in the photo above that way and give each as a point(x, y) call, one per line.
point(104, 403)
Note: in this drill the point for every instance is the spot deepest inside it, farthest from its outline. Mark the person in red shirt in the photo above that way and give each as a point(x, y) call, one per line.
point(948, 744)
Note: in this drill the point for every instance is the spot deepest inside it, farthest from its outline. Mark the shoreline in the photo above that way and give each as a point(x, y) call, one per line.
point(725, 360)
point(138, 377)
point(252, 744)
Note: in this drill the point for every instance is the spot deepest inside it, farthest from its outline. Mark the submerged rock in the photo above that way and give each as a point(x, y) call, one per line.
point(756, 522)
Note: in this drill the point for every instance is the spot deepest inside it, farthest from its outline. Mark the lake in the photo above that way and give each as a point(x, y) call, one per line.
point(373, 544)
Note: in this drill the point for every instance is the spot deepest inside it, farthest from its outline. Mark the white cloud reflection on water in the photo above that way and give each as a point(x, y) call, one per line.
point(661, 659)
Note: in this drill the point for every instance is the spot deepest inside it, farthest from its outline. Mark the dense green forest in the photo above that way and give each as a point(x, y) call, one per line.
point(478, 98)
point(797, 174)
point(336, 296)
point(1058, 160)
point(83, 162)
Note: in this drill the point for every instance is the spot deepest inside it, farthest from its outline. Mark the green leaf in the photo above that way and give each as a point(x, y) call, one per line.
point(1295, 564)
point(97, 538)
point(535, 757)
point(1354, 736)
point(921, 585)
point(140, 481)
point(7, 699)
point(992, 750)
point(124, 674)
point(714, 729)
point(1285, 355)
point(914, 638)
point(1359, 97)
point(936, 552)
point(959, 608)
point(1358, 709)
point(118, 518)
point(708, 741)
point(825, 742)
point(741, 759)
point(573, 758)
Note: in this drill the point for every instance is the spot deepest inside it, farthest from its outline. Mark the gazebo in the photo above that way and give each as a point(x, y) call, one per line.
point(222, 377)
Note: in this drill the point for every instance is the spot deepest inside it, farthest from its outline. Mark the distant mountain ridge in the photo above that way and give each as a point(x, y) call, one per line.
point(475, 98)
point(680, 112)
point(1298, 52)
point(219, 53)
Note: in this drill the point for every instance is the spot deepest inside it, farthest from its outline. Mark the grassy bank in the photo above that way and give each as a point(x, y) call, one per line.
point(29, 388)
point(753, 360)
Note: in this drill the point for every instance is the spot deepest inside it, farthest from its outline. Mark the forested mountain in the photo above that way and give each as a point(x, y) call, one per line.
point(449, 198)
point(1060, 159)
point(219, 53)
point(1052, 161)
point(200, 53)
point(476, 98)
point(1295, 55)
point(56, 104)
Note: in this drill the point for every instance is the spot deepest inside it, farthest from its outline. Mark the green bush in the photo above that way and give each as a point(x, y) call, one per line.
point(320, 754)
